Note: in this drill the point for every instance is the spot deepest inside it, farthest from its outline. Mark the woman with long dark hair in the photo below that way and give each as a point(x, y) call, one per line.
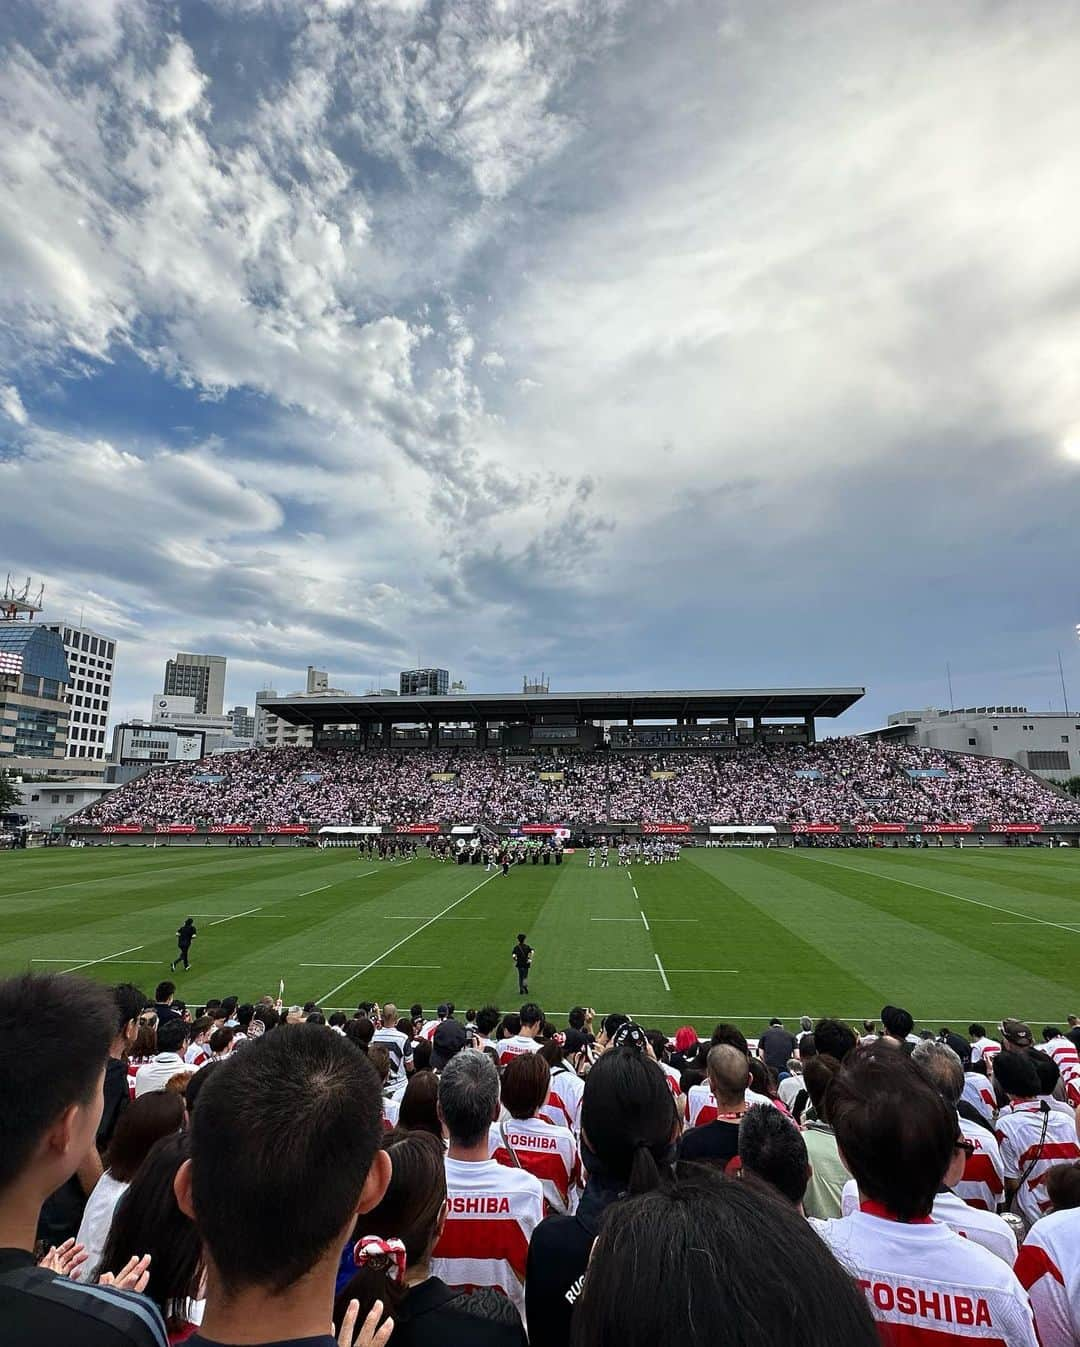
point(629, 1129)
point(706, 1262)
point(148, 1221)
point(392, 1255)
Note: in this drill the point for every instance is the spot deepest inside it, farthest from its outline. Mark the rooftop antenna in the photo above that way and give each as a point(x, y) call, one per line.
point(1064, 694)
point(948, 679)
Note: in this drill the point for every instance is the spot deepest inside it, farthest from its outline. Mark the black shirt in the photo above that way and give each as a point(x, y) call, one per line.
point(434, 1315)
point(715, 1143)
point(40, 1309)
point(558, 1256)
point(165, 1012)
point(777, 1047)
point(117, 1096)
point(185, 935)
point(521, 955)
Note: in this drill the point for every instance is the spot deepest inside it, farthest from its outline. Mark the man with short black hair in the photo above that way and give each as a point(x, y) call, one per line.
point(492, 1209)
point(56, 1032)
point(776, 1045)
point(527, 1039)
point(130, 1003)
point(164, 995)
point(522, 955)
point(899, 1027)
point(773, 1151)
point(285, 1154)
point(173, 1038)
point(923, 1282)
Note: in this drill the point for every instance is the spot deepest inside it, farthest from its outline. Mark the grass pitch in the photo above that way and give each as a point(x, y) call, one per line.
point(738, 935)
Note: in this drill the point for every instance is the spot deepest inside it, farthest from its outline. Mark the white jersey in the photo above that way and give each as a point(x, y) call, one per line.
point(984, 1048)
point(491, 1212)
point(981, 1227)
point(546, 1151)
point(928, 1287)
point(701, 1106)
point(391, 1110)
point(398, 1048)
point(979, 1093)
point(1064, 1052)
point(1049, 1267)
point(516, 1046)
point(983, 1181)
point(1019, 1129)
point(564, 1098)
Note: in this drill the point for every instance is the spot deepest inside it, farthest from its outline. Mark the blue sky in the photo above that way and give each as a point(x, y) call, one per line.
point(681, 344)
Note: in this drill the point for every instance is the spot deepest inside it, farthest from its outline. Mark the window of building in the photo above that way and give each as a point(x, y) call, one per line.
point(1053, 760)
point(1064, 738)
point(69, 799)
point(54, 799)
point(34, 799)
point(972, 742)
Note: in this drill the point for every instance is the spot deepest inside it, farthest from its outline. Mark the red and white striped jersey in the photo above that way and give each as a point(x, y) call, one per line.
point(548, 1152)
point(491, 1212)
point(1064, 1052)
point(564, 1098)
point(673, 1078)
point(391, 1109)
point(979, 1093)
point(701, 1106)
point(134, 1065)
point(428, 1030)
point(983, 1182)
point(928, 1287)
point(982, 1227)
point(1019, 1127)
point(509, 1048)
point(197, 1054)
point(984, 1047)
point(1049, 1267)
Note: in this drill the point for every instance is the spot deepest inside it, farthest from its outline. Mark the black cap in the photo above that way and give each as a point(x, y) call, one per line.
point(629, 1035)
point(448, 1040)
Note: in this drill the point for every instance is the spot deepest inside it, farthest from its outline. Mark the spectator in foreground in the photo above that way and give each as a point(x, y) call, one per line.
point(148, 1219)
point(1033, 1137)
point(56, 1031)
point(776, 1045)
point(982, 1184)
point(425, 1311)
point(145, 1121)
point(899, 1138)
point(1049, 1268)
point(491, 1210)
point(629, 1131)
point(828, 1173)
point(653, 1275)
point(172, 1040)
point(717, 1142)
point(130, 1003)
point(773, 1152)
point(284, 1157)
point(531, 1142)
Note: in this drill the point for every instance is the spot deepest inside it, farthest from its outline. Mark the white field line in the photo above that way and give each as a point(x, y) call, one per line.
point(927, 888)
point(67, 959)
point(663, 975)
point(670, 970)
point(634, 888)
point(394, 916)
point(686, 920)
point(385, 965)
point(318, 890)
point(405, 939)
point(248, 913)
point(645, 920)
point(89, 963)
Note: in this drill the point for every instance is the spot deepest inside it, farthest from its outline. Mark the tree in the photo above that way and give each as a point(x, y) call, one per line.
point(9, 794)
point(1073, 786)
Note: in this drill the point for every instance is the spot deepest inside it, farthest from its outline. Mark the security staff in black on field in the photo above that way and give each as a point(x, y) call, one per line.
point(523, 957)
point(184, 936)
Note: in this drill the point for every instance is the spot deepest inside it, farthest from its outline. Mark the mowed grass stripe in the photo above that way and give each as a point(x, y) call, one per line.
point(962, 955)
point(1054, 874)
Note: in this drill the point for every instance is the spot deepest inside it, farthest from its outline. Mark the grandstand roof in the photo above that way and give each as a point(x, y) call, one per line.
point(705, 704)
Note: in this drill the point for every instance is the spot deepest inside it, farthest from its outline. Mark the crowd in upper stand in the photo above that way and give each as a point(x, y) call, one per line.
point(835, 781)
point(246, 1173)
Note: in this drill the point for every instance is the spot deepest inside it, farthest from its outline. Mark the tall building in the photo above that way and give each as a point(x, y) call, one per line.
point(273, 732)
point(91, 658)
point(198, 676)
point(318, 681)
point(425, 683)
point(243, 724)
point(34, 676)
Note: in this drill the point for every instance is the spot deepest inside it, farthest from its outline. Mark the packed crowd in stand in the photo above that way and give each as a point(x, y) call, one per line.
point(260, 1174)
point(837, 781)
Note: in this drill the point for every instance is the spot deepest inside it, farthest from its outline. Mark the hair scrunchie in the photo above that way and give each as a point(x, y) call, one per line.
point(387, 1255)
point(559, 1037)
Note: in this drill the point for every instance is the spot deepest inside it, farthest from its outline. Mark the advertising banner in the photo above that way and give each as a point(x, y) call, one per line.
point(232, 829)
point(881, 827)
point(417, 829)
point(665, 828)
point(175, 828)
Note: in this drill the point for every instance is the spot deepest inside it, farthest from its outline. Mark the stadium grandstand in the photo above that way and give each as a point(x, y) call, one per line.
point(701, 763)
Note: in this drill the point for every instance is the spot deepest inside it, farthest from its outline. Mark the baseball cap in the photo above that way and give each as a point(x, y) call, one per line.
point(443, 1010)
point(630, 1035)
point(448, 1041)
point(1017, 1032)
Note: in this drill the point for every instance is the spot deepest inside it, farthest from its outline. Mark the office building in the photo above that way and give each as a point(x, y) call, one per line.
point(34, 677)
point(1046, 743)
point(243, 723)
point(198, 676)
point(91, 658)
point(424, 683)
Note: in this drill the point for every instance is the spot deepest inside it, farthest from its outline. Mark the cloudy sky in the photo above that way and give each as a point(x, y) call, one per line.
point(646, 344)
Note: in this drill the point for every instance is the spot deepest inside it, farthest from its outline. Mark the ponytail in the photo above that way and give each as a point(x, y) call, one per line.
point(644, 1171)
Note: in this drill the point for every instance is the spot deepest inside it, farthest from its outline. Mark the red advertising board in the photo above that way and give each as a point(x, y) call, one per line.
point(231, 828)
point(175, 828)
point(417, 828)
point(815, 827)
point(665, 827)
point(1016, 827)
point(122, 828)
point(945, 827)
point(881, 827)
point(538, 829)
point(290, 828)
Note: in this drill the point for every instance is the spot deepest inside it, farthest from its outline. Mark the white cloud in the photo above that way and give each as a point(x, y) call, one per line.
point(11, 404)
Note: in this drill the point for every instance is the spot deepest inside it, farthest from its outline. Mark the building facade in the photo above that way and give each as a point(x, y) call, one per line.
point(49, 802)
point(424, 683)
point(91, 659)
point(1047, 743)
point(198, 676)
point(136, 743)
point(34, 678)
point(243, 723)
